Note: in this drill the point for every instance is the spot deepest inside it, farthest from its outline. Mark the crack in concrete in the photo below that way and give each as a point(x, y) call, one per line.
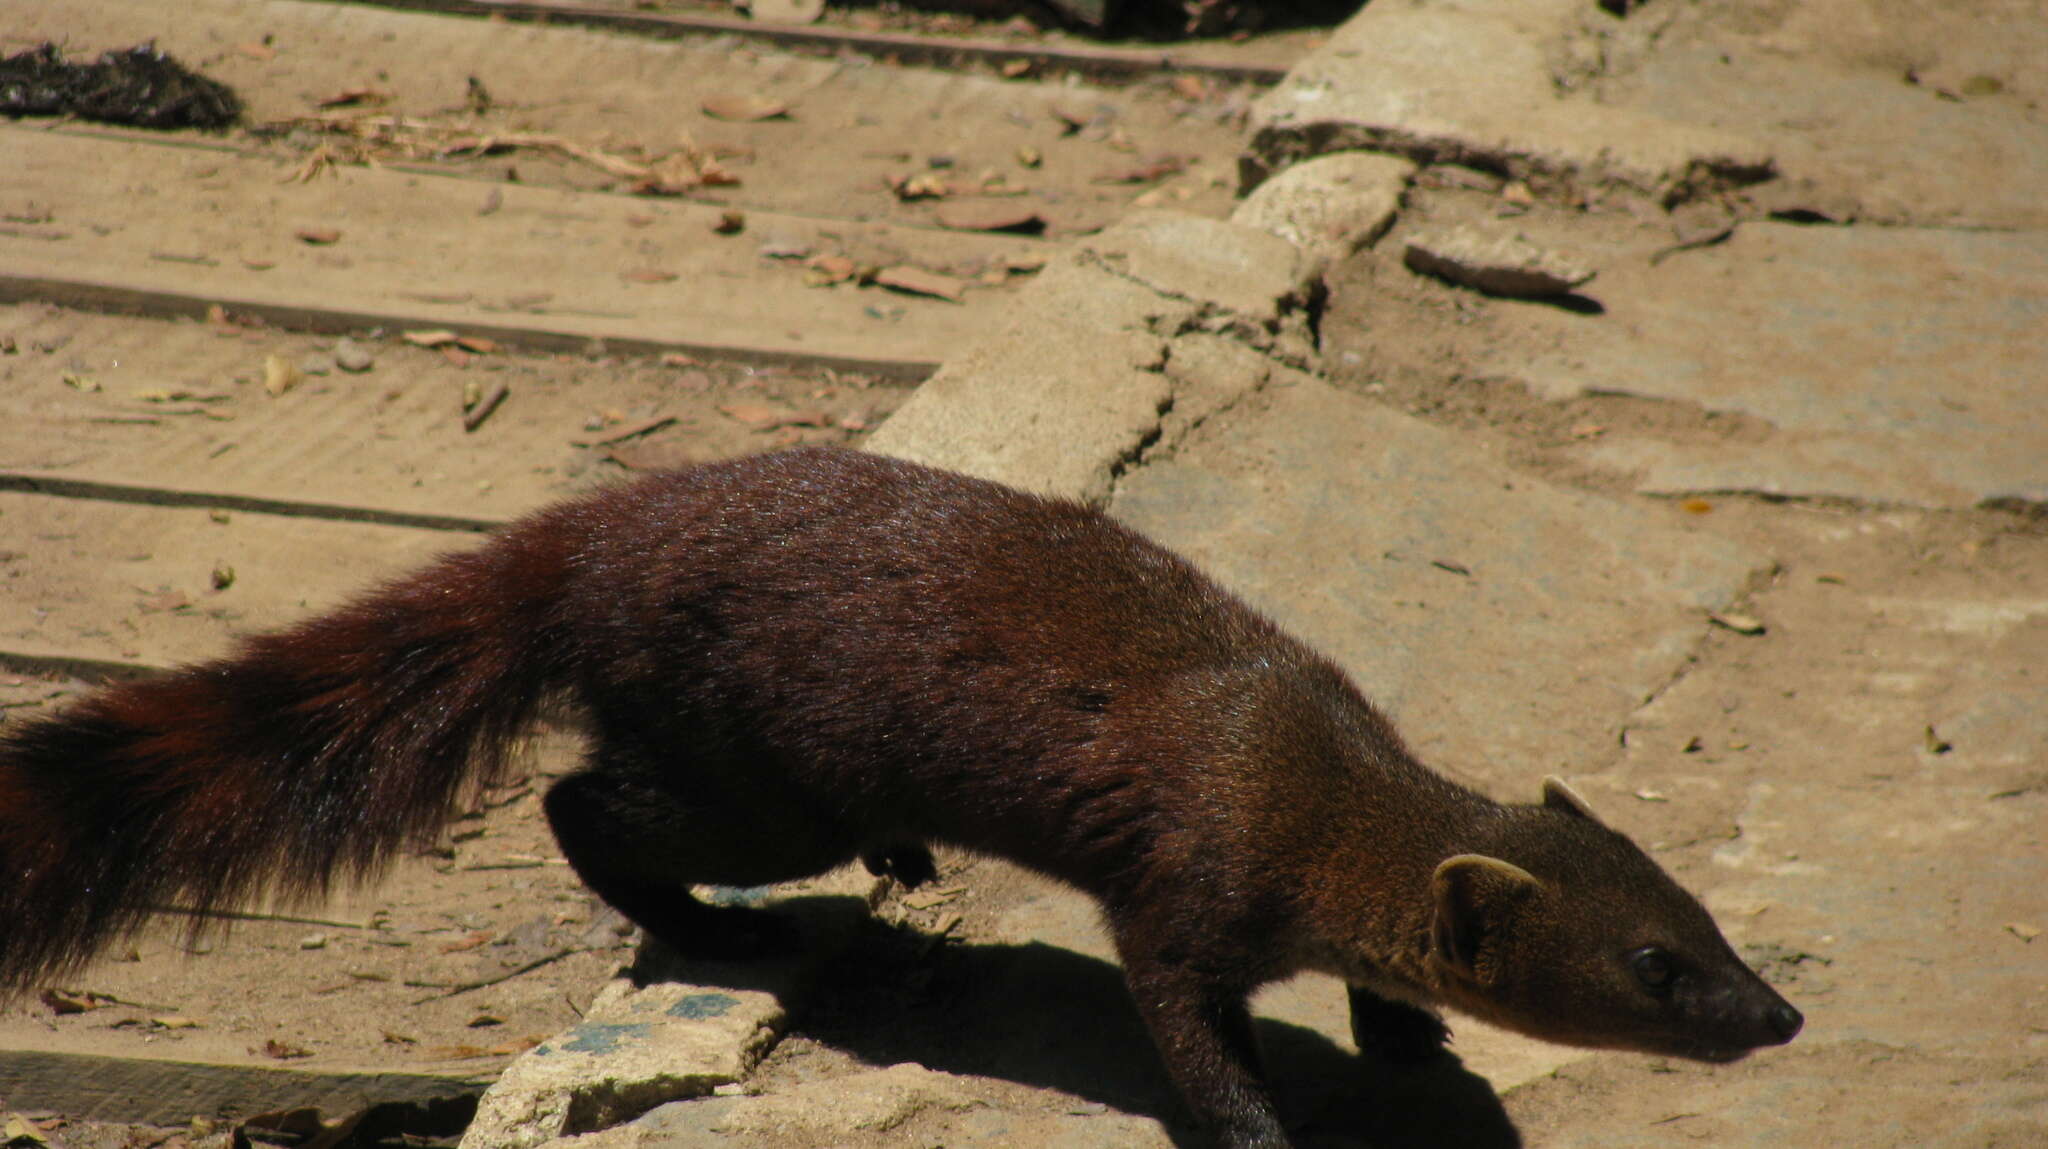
point(1275, 149)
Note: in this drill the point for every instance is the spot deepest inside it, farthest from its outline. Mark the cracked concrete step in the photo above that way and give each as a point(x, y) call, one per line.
point(156, 239)
point(1158, 320)
point(1471, 82)
point(1463, 597)
point(1677, 102)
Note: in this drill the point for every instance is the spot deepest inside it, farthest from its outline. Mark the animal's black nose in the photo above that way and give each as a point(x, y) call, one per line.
point(1784, 1021)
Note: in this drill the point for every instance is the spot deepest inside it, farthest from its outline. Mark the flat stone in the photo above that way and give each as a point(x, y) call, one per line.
point(639, 1047)
point(1497, 263)
point(635, 1049)
point(1473, 82)
point(1330, 206)
point(1898, 365)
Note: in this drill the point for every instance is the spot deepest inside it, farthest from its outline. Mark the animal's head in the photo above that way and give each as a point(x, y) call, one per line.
point(1581, 938)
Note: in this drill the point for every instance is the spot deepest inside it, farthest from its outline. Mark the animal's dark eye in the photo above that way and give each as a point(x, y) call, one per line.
point(1653, 968)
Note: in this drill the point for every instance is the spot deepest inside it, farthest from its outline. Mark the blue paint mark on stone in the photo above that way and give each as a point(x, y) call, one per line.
point(740, 895)
point(603, 1037)
point(699, 1006)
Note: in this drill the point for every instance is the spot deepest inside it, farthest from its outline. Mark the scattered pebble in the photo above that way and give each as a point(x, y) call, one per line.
point(352, 357)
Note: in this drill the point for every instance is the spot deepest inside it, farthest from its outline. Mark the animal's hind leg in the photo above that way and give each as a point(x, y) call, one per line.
point(641, 846)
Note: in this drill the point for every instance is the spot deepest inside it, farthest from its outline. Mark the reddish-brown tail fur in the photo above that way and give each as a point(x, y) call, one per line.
point(309, 755)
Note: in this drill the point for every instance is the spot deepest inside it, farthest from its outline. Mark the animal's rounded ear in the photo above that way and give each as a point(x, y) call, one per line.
point(1476, 897)
point(1558, 796)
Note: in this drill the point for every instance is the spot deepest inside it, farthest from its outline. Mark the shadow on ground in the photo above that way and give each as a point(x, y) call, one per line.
point(1047, 1017)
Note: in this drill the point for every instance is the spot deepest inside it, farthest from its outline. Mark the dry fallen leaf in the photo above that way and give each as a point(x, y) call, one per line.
point(989, 215)
point(163, 600)
point(926, 899)
point(918, 281)
point(759, 415)
point(351, 97)
point(1156, 168)
point(476, 344)
point(280, 374)
point(480, 937)
point(281, 1051)
point(257, 50)
point(826, 270)
point(318, 236)
point(2023, 931)
point(437, 338)
point(745, 109)
point(652, 455)
point(1739, 623)
point(919, 185)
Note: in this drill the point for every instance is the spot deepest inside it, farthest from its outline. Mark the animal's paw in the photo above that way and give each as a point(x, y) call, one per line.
point(910, 865)
point(1395, 1031)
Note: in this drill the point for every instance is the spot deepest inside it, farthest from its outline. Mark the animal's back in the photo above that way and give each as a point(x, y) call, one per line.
point(931, 652)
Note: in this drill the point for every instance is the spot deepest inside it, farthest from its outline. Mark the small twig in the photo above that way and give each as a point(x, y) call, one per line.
point(475, 416)
point(241, 916)
point(529, 967)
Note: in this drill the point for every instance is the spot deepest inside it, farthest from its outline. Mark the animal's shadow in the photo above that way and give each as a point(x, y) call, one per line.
point(1044, 1016)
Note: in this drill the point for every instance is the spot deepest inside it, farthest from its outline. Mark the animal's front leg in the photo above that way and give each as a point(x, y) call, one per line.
point(1402, 1033)
point(1204, 1034)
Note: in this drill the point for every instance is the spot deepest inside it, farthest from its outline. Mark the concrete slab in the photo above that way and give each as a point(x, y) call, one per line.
point(1474, 82)
point(1900, 366)
point(1904, 113)
point(1463, 597)
point(1073, 385)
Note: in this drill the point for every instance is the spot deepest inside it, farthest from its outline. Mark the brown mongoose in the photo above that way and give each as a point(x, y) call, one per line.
point(794, 660)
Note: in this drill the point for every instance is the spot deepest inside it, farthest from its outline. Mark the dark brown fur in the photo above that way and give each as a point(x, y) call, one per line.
point(796, 660)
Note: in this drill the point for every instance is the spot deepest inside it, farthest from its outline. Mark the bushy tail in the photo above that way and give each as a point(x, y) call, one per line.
point(312, 755)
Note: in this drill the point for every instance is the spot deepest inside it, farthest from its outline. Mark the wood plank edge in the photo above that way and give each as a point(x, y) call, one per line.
point(1095, 63)
point(124, 299)
point(72, 487)
point(165, 1092)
